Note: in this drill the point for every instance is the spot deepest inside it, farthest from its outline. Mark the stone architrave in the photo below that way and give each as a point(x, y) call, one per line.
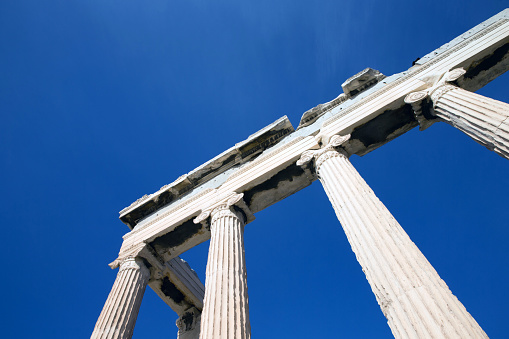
point(415, 300)
point(120, 311)
point(225, 312)
point(483, 119)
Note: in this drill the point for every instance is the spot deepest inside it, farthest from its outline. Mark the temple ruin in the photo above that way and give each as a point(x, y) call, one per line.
point(216, 200)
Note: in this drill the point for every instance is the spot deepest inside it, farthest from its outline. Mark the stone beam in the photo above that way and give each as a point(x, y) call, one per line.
point(373, 112)
point(179, 286)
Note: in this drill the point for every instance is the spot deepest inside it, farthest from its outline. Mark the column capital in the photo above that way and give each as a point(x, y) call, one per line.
point(226, 204)
point(133, 263)
point(483, 119)
point(444, 80)
point(142, 254)
point(444, 84)
point(420, 100)
point(327, 151)
point(223, 211)
point(133, 252)
point(439, 91)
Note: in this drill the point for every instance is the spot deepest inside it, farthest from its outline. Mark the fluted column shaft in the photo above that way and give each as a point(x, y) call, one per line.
point(415, 300)
point(120, 311)
point(483, 119)
point(225, 312)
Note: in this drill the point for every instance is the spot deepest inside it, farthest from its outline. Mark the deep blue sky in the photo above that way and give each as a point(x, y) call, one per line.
point(103, 101)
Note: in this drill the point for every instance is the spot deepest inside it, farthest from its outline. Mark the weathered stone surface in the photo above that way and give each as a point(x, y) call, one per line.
point(189, 324)
point(351, 87)
point(361, 81)
point(179, 286)
point(314, 113)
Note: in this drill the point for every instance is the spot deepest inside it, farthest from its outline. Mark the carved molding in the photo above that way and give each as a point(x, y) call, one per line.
point(305, 158)
point(171, 211)
point(454, 75)
point(310, 116)
point(416, 97)
point(416, 100)
point(170, 187)
point(263, 158)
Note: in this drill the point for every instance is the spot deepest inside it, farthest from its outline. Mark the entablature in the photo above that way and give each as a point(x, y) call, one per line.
point(237, 155)
point(263, 167)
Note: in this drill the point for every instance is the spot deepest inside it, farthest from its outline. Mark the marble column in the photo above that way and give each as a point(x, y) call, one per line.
point(225, 312)
point(415, 300)
point(120, 311)
point(483, 119)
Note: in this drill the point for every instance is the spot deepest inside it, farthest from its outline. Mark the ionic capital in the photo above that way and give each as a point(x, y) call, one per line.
point(134, 263)
point(133, 252)
point(225, 210)
point(140, 256)
point(326, 152)
point(438, 89)
point(340, 153)
point(419, 100)
point(225, 205)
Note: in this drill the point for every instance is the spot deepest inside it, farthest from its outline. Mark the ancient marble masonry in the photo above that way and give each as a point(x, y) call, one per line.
point(218, 199)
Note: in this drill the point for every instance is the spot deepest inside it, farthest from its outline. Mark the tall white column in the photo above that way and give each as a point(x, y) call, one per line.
point(120, 311)
point(225, 312)
point(483, 119)
point(415, 300)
